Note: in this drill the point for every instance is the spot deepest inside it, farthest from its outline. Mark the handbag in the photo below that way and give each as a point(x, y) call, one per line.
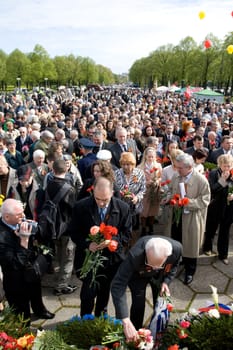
point(34, 271)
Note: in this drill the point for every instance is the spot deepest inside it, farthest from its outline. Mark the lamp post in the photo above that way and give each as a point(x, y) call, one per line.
point(46, 81)
point(18, 82)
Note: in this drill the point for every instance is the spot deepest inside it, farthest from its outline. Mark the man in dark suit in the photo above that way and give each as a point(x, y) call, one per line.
point(123, 145)
point(226, 148)
point(87, 213)
point(169, 135)
point(23, 141)
point(198, 143)
point(152, 260)
point(100, 144)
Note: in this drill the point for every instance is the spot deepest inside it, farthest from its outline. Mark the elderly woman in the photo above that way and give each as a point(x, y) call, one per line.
point(132, 184)
point(220, 210)
point(151, 200)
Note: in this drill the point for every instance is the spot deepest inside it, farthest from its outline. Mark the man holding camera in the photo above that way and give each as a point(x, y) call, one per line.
point(15, 255)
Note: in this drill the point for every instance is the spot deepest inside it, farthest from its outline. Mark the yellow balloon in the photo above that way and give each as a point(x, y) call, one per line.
point(230, 49)
point(201, 14)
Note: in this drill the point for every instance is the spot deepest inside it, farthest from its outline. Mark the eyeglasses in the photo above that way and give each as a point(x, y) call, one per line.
point(154, 267)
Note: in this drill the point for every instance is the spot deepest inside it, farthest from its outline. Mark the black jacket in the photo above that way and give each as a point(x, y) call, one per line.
point(85, 215)
point(67, 202)
point(13, 260)
point(133, 267)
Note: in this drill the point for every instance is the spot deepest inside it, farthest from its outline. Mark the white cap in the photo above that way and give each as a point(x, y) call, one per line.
point(104, 154)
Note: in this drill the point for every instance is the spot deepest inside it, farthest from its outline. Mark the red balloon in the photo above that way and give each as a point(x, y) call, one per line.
point(232, 13)
point(207, 44)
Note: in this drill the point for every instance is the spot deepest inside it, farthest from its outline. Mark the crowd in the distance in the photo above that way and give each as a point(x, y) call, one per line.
point(138, 142)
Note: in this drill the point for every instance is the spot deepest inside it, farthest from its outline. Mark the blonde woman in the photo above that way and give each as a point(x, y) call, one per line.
point(132, 184)
point(152, 170)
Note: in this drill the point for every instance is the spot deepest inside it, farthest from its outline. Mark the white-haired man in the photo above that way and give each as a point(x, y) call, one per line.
point(152, 260)
point(188, 182)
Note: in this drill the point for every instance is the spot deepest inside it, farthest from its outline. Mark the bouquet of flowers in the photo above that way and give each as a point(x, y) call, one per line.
point(8, 342)
point(190, 332)
point(126, 194)
point(178, 203)
point(94, 260)
point(144, 340)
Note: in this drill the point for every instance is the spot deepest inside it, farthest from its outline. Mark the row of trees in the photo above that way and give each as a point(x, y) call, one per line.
point(187, 64)
point(37, 68)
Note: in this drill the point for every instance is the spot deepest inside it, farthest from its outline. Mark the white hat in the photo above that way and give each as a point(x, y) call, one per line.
point(104, 154)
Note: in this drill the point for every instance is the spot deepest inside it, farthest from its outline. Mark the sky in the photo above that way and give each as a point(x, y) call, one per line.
point(114, 33)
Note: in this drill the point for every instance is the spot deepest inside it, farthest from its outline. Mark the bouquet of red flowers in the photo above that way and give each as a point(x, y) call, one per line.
point(178, 203)
point(94, 260)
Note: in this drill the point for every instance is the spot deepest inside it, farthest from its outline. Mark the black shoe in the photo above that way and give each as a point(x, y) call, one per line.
point(66, 290)
point(188, 279)
point(46, 314)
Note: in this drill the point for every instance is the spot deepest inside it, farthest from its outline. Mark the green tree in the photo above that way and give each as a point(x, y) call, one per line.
point(89, 72)
point(105, 75)
point(42, 66)
point(3, 70)
point(18, 66)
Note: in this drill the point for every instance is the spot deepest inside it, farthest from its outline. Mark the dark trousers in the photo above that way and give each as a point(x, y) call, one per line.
point(224, 232)
point(224, 222)
point(138, 295)
point(212, 222)
point(20, 301)
point(100, 292)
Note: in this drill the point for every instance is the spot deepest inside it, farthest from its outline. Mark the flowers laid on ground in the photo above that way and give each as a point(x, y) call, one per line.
point(94, 260)
point(207, 328)
point(8, 342)
point(143, 342)
point(14, 332)
point(178, 204)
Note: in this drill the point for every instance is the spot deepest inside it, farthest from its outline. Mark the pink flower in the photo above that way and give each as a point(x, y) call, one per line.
point(185, 324)
point(94, 230)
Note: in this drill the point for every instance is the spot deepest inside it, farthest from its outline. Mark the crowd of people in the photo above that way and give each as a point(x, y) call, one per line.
point(126, 154)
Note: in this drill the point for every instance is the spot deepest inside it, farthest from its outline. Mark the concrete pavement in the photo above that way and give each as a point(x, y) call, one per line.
point(198, 294)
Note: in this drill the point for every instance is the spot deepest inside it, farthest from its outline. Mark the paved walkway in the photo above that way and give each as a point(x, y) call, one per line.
point(210, 271)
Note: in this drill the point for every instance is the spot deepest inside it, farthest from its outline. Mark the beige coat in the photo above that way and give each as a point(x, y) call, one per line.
point(193, 223)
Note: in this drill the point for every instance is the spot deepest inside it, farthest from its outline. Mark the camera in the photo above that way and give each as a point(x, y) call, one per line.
point(33, 224)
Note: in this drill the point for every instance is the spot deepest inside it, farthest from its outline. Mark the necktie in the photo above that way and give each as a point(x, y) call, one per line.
point(124, 148)
point(102, 214)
